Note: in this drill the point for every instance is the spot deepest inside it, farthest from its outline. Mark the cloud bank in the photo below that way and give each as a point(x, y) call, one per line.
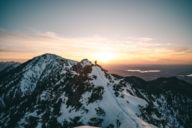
point(15, 45)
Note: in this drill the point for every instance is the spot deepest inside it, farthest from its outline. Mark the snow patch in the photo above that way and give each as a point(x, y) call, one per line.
point(100, 79)
point(45, 95)
point(190, 75)
point(85, 62)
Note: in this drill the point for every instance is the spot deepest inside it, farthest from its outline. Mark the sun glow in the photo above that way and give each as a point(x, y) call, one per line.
point(104, 57)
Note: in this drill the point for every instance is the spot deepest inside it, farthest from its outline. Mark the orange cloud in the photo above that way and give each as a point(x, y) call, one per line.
point(123, 51)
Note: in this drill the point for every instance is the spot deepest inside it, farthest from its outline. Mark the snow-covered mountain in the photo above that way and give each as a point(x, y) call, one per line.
point(50, 91)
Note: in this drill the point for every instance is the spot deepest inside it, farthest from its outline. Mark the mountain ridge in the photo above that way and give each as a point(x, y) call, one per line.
point(50, 91)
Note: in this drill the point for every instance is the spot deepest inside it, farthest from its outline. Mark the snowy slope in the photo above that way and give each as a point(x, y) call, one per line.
point(40, 67)
point(117, 111)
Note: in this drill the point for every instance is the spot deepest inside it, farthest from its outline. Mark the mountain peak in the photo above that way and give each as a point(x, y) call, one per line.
point(48, 56)
point(85, 62)
point(40, 67)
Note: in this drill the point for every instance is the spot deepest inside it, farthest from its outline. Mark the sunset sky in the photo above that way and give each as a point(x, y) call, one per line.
point(110, 31)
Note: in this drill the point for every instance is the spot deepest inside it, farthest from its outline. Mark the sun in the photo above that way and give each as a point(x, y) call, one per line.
point(104, 57)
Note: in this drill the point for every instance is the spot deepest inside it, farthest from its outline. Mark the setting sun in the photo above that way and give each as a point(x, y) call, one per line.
point(104, 57)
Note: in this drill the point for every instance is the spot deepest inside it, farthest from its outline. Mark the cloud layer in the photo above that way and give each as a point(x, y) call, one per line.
point(15, 45)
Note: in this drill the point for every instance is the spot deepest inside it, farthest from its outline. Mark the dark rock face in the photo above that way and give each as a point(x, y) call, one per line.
point(50, 91)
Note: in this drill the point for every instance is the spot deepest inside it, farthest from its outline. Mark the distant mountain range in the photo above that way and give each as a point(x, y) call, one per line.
point(6, 66)
point(49, 91)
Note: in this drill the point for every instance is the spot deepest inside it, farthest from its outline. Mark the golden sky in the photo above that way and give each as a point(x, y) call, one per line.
point(140, 50)
point(115, 32)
